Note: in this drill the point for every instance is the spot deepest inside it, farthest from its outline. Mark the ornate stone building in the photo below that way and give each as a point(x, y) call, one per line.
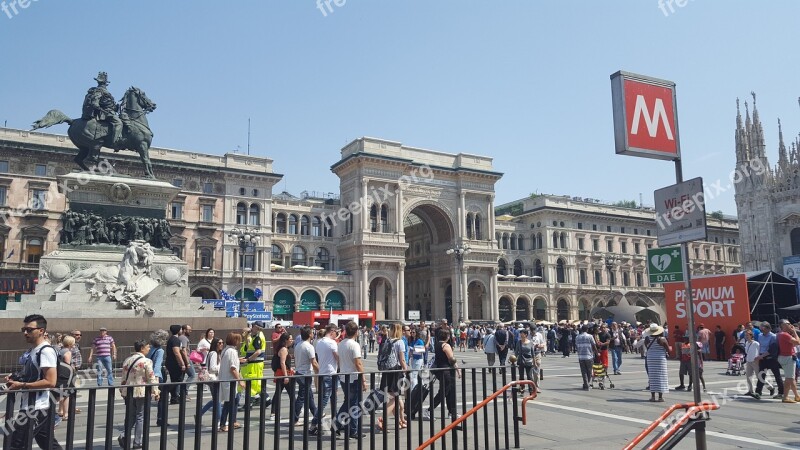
point(767, 198)
point(410, 230)
point(567, 256)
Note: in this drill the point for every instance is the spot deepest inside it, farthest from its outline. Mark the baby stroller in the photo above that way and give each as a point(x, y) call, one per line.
point(600, 374)
point(735, 364)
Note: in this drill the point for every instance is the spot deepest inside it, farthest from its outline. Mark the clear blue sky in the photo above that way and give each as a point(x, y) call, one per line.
point(525, 82)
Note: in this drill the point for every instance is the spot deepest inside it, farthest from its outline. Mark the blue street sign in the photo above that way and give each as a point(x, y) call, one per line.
point(218, 303)
point(232, 307)
point(258, 315)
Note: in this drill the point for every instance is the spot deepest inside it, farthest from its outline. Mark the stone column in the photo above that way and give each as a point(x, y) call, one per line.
point(494, 306)
point(401, 291)
point(464, 291)
point(490, 222)
point(364, 287)
point(365, 209)
point(462, 217)
point(398, 210)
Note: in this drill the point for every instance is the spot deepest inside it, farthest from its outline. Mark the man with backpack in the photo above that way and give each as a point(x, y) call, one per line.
point(40, 371)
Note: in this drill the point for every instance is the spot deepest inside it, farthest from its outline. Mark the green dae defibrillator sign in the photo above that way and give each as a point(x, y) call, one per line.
point(664, 265)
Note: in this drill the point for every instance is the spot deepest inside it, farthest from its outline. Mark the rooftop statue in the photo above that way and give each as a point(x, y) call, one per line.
point(105, 123)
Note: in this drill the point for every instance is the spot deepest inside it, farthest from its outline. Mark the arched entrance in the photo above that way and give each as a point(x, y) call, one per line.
point(505, 309)
point(380, 291)
point(523, 309)
point(562, 310)
point(205, 293)
point(477, 300)
point(249, 295)
point(539, 309)
point(283, 304)
point(433, 289)
point(334, 301)
point(309, 301)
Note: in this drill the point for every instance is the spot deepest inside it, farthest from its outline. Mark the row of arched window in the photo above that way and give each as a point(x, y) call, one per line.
point(379, 218)
point(537, 273)
point(517, 242)
point(303, 225)
point(299, 256)
point(474, 226)
point(242, 216)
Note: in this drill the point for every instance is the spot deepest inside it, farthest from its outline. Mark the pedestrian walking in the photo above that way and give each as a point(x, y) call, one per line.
point(372, 340)
point(617, 344)
point(501, 342)
point(185, 337)
point(137, 370)
point(446, 372)
point(391, 379)
point(65, 354)
point(228, 374)
point(281, 366)
point(768, 360)
point(657, 354)
point(328, 356)
point(253, 350)
point(158, 341)
point(526, 352)
point(489, 347)
point(305, 366)
point(587, 348)
point(720, 337)
point(175, 364)
point(213, 363)
point(787, 341)
point(416, 359)
point(350, 365)
point(104, 350)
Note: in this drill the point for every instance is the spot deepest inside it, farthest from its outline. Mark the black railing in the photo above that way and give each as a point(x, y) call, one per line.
point(105, 414)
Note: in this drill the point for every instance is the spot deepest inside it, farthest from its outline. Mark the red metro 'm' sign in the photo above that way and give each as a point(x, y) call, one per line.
point(645, 116)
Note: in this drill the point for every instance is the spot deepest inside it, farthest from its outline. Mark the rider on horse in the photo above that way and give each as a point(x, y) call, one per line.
point(99, 104)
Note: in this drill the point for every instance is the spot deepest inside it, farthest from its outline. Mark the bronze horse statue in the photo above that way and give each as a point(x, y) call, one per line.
point(91, 135)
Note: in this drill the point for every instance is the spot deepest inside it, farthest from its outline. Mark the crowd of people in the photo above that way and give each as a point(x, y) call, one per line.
point(325, 359)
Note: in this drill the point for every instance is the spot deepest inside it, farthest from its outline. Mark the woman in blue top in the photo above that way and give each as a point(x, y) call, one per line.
point(158, 340)
point(417, 351)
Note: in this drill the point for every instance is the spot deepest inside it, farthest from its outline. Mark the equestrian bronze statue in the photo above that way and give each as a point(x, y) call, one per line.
point(105, 123)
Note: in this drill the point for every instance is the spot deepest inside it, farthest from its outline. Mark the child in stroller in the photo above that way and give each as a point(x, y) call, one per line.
point(600, 374)
point(736, 361)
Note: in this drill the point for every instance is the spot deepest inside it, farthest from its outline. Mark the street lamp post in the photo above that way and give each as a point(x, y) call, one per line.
point(245, 238)
point(459, 251)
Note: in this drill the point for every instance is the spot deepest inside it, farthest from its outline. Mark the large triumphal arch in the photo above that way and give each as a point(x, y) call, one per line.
point(403, 208)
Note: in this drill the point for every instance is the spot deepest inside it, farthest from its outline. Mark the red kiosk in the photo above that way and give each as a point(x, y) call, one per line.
point(364, 318)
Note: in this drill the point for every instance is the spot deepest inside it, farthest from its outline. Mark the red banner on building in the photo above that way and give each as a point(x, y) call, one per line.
point(718, 300)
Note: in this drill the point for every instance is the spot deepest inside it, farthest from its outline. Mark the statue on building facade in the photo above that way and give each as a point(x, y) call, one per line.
point(104, 123)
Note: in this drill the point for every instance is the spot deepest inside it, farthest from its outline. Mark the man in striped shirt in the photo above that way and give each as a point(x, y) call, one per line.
point(105, 350)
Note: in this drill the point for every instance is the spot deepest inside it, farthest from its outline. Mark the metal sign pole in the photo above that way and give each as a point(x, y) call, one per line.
point(700, 429)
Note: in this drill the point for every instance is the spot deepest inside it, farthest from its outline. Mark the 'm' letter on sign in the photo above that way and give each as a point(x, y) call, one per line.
point(645, 118)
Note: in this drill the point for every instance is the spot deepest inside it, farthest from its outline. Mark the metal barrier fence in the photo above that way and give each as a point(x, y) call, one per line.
point(182, 425)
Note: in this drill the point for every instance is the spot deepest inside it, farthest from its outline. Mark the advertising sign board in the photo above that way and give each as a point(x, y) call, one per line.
point(413, 315)
point(680, 213)
point(645, 116)
point(232, 307)
point(718, 300)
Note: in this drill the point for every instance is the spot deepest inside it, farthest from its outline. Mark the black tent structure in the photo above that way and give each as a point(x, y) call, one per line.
point(770, 293)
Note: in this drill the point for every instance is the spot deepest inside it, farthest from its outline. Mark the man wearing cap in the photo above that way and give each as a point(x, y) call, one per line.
point(105, 350)
point(252, 360)
point(787, 340)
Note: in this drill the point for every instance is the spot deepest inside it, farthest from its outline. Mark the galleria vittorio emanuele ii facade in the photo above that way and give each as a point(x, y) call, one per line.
point(410, 230)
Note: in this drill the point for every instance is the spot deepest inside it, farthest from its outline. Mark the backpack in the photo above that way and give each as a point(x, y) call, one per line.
point(65, 373)
point(387, 357)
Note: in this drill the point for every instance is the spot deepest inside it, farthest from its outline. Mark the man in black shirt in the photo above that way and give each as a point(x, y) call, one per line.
point(501, 341)
point(719, 342)
point(173, 359)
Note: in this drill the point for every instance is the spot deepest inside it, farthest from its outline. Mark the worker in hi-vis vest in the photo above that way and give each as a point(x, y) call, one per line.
point(254, 348)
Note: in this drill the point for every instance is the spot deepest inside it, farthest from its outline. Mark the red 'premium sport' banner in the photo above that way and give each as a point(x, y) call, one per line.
point(718, 300)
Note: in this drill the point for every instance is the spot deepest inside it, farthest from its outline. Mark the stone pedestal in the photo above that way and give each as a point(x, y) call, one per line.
point(113, 281)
